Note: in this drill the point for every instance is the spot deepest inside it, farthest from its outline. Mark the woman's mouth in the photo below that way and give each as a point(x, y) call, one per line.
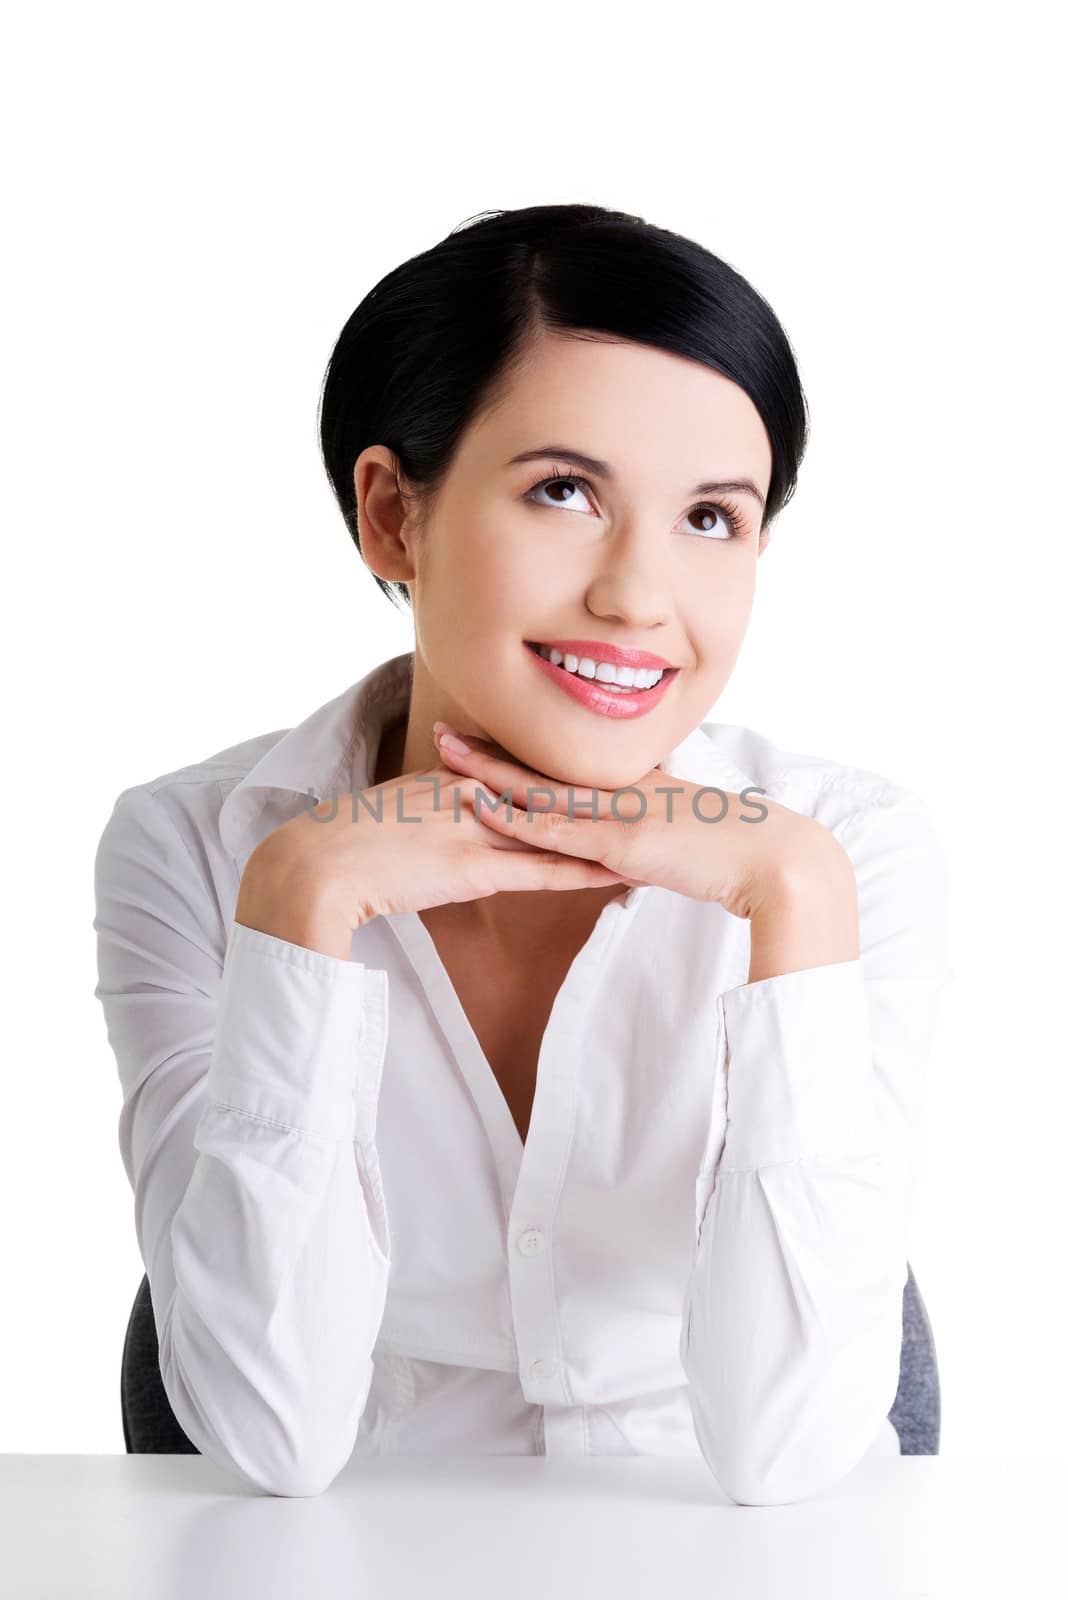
point(601, 686)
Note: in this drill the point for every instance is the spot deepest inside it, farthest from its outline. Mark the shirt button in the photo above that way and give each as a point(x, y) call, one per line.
point(542, 1369)
point(531, 1242)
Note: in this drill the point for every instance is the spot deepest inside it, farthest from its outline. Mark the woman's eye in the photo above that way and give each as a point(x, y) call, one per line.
point(713, 523)
point(561, 490)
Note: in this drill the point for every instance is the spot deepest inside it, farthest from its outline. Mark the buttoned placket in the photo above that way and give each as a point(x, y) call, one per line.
point(531, 1175)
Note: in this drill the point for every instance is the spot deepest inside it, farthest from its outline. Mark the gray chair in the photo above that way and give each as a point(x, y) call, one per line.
point(150, 1427)
point(917, 1409)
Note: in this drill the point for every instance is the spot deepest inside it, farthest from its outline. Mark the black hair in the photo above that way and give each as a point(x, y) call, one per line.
point(428, 349)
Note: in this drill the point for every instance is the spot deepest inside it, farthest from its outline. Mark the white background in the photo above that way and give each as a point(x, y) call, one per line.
point(197, 197)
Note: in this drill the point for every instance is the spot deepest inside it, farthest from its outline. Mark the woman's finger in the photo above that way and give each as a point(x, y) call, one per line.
point(544, 869)
point(525, 786)
point(551, 831)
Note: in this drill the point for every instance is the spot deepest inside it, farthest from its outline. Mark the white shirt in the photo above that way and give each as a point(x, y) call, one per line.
point(699, 1250)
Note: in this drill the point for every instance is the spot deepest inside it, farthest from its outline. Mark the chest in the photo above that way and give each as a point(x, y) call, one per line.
point(508, 1001)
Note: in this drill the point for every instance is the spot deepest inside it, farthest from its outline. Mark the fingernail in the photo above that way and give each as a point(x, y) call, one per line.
point(454, 743)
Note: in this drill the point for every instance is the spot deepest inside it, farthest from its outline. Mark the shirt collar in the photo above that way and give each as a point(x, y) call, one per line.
point(336, 747)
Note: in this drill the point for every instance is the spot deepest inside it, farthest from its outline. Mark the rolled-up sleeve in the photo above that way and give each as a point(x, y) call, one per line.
point(250, 1079)
point(792, 1327)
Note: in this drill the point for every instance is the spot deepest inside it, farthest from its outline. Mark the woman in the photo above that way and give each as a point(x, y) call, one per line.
point(541, 1128)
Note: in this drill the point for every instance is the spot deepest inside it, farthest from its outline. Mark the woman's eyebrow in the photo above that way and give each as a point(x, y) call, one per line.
point(601, 469)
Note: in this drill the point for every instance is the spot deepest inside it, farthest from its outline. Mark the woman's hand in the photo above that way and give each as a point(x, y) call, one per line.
point(416, 842)
point(749, 855)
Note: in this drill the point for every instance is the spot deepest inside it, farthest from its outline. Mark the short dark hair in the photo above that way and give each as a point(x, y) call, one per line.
point(430, 346)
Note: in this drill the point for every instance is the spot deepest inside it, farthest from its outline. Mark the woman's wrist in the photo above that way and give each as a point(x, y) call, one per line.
point(292, 908)
point(806, 914)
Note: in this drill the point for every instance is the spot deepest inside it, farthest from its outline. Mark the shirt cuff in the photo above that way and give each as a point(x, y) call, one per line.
point(299, 1037)
point(800, 1079)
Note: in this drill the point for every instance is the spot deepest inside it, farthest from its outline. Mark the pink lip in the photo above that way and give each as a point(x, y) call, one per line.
point(589, 693)
point(598, 650)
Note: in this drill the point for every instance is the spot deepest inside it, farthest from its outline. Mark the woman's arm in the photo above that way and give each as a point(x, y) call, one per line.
point(250, 1082)
point(792, 1325)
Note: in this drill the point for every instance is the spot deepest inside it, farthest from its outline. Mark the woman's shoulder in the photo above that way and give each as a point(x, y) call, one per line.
point(826, 787)
point(190, 798)
point(226, 792)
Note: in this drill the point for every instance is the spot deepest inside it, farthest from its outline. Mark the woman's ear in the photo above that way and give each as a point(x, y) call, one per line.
point(382, 516)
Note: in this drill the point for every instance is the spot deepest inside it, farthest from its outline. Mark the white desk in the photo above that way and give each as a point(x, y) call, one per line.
point(508, 1527)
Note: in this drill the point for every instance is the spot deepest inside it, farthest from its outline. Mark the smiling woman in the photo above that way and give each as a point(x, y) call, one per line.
point(585, 1120)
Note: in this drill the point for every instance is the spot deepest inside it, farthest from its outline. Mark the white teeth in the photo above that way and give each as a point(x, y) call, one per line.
point(604, 672)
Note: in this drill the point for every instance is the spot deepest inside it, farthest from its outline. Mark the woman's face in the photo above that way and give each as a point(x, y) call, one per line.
point(634, 555)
